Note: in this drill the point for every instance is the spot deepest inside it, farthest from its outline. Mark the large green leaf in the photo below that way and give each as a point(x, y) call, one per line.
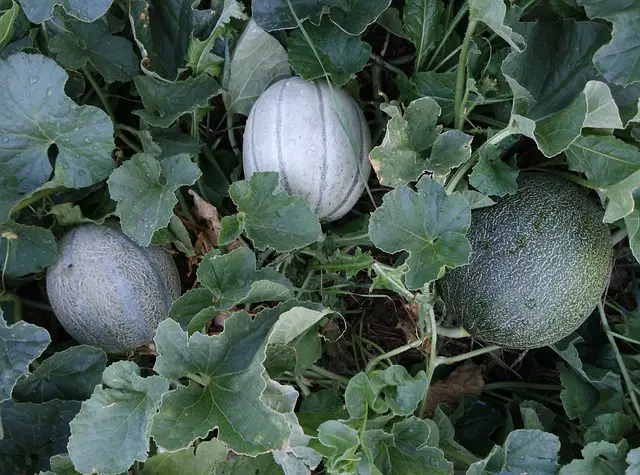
point(353, 16)
point(208, 456)
point(272, 218)
point(618, 60)
point(164, 102)
point(225, 281)
point(71, 374)
point(145, 189)
point(122, 408)
point(408, 449)
point(491, 175)
point(20, 344)
point(35, 115)
point(423, 26)
point(414, 143)
point(40, 10)
point(427, 223)
point(163, 30)
point(33, 433)
point(227, 382)
point(340, 55)
point(81, 43)
point(258, 61)
point(599, 458)
point(553, 98)
point(525, 451)
point(276, 14)
point(26, 249)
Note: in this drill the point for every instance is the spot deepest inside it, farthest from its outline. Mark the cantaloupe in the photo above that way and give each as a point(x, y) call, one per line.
point(316, 137)
point(540, 261)
point(109, 292)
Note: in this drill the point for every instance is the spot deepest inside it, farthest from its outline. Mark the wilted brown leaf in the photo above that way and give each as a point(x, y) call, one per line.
point(466, 380)
point(208, 214)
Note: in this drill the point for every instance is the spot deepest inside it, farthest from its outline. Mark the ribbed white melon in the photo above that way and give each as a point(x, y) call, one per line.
point(109, 292)
point(295, 129)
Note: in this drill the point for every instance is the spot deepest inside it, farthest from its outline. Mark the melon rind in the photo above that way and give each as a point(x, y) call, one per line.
point(109, 292)
point(294, 128)
point(539, 264)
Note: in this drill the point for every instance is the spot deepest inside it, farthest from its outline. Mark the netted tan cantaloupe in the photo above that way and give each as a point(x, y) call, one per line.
point(109, 292)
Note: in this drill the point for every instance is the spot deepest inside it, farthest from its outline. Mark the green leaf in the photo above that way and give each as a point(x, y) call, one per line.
point(209, 455)
point(340, 55)
point(163, 30)
point(40, 10)
point(599, 458)
point(228, 379)
point(491, 175)
point(438, 86)
point(165, 102)
point(525, 451)
point(35, 115)
point(145, 189)
point(33, 433)
point(338, 436)
point(228, 280)
point(276, 14)
point(423, 26)
point(243, 465)
point(68, 214)
point(62, 465)
point(122, 407)
point(553, 95)
point(25, 249)
point(400, 391)
point(390, 21)
point(618, 59)
point(20, 344)
point(67, 375)
point(81, 43)
point(351, 264)
point(272, 218)
point(492, 13)
point(428, 224)
point(353, 16)
point(633, 459)
point(608, 427)
point(605, 160)
point(6, 24)
point(296, 457)
point(231, 227)
point(403, 154)
point(166, 142)
point(446, 436)
point(199, 56)
point(258, 61)
point(536, 416)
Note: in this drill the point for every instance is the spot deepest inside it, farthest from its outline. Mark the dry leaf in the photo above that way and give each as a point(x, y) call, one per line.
point(466, 380)
point(208, 214)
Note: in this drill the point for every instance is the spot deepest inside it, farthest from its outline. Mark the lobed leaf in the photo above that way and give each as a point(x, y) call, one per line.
point(26, 249)
point(428, 224)
point(40, 10)
point(145, 189)
point(272, 218)
point(353, 16)
point(340, 55)
point(122, 407)
point(36, 114)
point(277, 14)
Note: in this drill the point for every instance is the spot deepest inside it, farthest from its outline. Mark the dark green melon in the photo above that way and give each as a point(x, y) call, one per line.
point(539, 264)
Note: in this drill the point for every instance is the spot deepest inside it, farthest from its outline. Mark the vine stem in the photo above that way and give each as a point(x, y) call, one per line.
point(625, 338)
point(231, 135)
point(100, 93)
point(621, 365)
point(452, 26)
point(432, 361)
point(401, 349)
point(389, 67)
point(329, 374)
point(521, 385)
point(461, 77)
point(465, 356)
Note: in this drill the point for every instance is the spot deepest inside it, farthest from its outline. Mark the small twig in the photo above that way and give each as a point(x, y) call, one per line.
point(401, 349)
point(621, 365)
point(381, 62)
point(465, 356)
point(328, 374)
point(100, 93)
point(129, 143)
